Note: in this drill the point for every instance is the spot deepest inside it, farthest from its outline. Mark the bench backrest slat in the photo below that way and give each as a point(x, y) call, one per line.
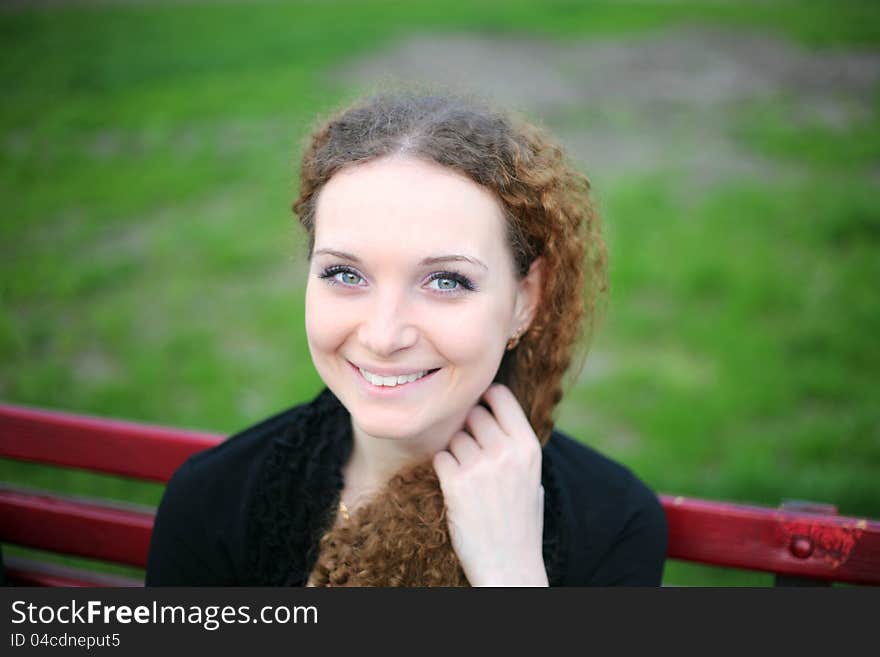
point(26, 572)
point(830, 547)
point(74, 527)
point(111, 446)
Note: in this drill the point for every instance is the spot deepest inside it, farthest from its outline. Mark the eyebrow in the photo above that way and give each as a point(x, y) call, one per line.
point(427, 261)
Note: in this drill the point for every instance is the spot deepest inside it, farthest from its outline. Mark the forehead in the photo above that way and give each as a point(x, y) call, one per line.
point(407, 208)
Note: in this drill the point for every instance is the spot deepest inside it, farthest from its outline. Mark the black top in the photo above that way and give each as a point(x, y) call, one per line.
point(251, 511)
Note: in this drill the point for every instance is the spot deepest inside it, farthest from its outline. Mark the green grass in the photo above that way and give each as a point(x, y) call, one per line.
point(150, 268)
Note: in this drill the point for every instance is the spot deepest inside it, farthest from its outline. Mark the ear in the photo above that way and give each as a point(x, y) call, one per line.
point(528, 296)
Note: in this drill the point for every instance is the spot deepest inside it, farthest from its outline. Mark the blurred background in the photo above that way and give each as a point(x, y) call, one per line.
point(151, 268)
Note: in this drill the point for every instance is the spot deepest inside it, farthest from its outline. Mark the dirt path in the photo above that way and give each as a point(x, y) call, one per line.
point(638, 104)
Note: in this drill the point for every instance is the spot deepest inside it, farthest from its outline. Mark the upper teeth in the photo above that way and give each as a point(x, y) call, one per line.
point(392, 381)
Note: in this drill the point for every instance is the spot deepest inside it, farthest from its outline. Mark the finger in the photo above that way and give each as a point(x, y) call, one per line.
point(445, 465)
point(508, 413)
point(483, 426)
point(464, 448)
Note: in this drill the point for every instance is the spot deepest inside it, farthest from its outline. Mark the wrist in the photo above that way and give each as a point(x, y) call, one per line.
point(533, 574)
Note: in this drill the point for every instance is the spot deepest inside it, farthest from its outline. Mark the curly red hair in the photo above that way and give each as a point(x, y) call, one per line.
point(400, 537)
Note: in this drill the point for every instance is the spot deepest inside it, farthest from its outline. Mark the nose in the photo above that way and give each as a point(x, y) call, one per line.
point(387, 328)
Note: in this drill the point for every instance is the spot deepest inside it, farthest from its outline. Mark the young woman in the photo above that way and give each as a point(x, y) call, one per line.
point(456, 266)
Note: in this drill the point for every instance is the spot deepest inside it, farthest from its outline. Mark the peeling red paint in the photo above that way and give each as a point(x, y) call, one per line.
point(833, 544)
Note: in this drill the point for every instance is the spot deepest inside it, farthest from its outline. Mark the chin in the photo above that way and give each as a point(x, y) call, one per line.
point(387, 426)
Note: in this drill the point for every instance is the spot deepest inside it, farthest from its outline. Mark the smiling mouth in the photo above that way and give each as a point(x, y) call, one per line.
point(392, 381)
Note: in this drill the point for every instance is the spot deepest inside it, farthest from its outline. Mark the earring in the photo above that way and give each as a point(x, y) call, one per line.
point(514, 340)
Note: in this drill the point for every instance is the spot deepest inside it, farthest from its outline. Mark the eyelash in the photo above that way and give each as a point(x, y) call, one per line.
point(465, 284)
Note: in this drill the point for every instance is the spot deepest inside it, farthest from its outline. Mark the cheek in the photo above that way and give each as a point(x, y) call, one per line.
point(324, 330)
point(468, 333)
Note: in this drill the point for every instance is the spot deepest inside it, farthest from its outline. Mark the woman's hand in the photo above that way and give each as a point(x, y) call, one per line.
point(490, 475)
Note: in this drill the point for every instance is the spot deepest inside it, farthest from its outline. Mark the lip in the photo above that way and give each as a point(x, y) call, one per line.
point(389, 391)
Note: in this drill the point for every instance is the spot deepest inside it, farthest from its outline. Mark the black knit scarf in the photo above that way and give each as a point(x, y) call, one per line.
point(298, 491)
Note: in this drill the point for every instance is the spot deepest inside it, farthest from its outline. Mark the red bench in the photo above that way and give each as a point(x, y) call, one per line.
point(800, 543)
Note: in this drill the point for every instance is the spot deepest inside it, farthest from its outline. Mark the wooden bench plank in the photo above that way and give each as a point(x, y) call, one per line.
point(98, 531)
point(26, 572)
point(98, 444)
point(834, 548)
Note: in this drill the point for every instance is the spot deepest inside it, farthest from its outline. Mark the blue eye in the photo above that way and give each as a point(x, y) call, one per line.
point(445, 277)
point(348, 274)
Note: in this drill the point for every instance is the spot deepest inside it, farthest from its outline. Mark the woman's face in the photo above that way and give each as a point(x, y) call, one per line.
point(411, 273)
